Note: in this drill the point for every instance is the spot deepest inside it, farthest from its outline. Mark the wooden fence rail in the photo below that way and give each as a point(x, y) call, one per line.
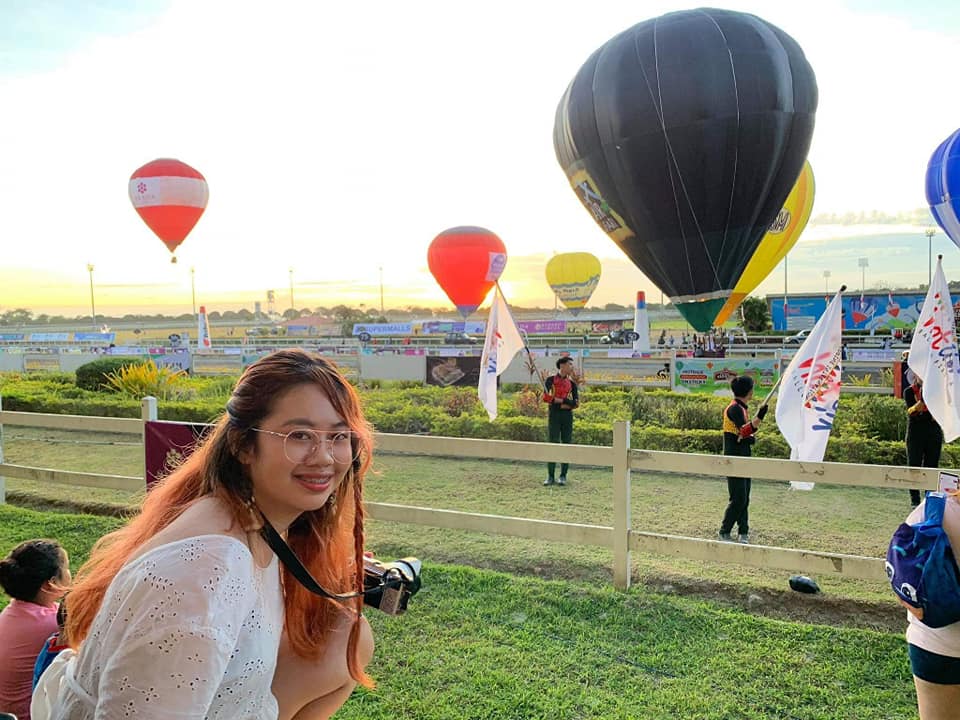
point(619, 536)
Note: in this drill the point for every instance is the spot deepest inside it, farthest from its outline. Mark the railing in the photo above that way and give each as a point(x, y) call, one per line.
point(619, 536)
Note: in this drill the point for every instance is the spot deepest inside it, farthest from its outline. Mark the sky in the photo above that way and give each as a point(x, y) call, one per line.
point(339, 139)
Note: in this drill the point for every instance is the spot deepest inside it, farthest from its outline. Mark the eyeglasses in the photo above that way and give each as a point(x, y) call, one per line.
point(300, 445)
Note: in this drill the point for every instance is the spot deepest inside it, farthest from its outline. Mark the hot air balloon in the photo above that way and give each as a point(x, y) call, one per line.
point(573, 277)
point(683, 136)
point(943, 186)
point(170, 196)
point(781, 236)
point(466, 262)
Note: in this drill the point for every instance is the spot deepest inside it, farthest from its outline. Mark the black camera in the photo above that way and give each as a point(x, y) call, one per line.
point(388, 586)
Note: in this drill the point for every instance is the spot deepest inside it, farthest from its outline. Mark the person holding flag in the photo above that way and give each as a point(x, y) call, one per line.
point(935, 365)
point(924, 436)
point(563, 397)
point(810, 390)
point(738, 438)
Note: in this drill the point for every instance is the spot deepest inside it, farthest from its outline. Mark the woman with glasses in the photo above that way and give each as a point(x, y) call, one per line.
point(186, 612)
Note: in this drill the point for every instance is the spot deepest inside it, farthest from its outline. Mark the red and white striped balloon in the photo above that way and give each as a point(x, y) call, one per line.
point(170, 196)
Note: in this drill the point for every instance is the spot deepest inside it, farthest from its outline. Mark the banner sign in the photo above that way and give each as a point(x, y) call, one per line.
point(11, 337)
point(42, 362)
point(543, 327)
point(217, 364)
point(380, 329)
point(436, 327)
point(166, 444)
point(49, 337)
point(627, 371)
point(100, 337)
point(712, 376)
point(460, 371)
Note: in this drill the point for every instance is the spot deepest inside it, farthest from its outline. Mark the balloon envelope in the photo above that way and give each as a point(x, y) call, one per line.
point(573, 277)
point(943, 186)
point(683, 137)
point(170, 196)
point(466, 262)
point(781, 236)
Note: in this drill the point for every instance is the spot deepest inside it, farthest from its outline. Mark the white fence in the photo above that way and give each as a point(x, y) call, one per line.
point(619, 535)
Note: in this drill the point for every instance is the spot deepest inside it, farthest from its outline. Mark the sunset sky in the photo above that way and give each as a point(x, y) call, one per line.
point(340, 138)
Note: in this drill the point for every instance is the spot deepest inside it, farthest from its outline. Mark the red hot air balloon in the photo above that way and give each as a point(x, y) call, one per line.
point(170, 196)
point(466, 262)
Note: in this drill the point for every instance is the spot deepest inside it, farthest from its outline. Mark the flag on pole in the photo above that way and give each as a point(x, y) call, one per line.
point(934, 358)
point(810, 391)
point(503, 341)
point(203, 330)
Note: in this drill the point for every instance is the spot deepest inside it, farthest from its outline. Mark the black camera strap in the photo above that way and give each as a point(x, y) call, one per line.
point(296, 568)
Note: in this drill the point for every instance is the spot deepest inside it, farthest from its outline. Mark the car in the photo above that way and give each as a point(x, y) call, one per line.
point(796, 339)
point(620, 337)
point(459, 338)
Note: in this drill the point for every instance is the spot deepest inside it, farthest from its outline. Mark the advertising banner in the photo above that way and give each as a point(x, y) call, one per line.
point(629, 371)
point(543, 327)
point(380, 329)
point(167, 444)
point(462, 371)
point(712, 376)
point(42, 362)
point(217, 364)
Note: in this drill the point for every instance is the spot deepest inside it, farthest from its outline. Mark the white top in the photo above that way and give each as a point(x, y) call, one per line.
point(190, 629)
point(943, 640)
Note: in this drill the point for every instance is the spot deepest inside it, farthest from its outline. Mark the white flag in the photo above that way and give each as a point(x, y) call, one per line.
point(933, 356)
point(810, 391)
point(503, 341)
point(203, 330)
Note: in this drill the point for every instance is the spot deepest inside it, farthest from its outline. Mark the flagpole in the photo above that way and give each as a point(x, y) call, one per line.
point(523, 336)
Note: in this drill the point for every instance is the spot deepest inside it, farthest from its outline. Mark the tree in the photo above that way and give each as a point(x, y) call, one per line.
point(756, 315)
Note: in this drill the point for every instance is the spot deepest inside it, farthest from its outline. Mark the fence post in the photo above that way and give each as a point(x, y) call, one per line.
point(621, 504)
point(148, 411)
point(3, 480)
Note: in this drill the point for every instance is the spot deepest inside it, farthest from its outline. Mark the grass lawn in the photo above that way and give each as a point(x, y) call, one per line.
point(486, 644)
point(831, 518)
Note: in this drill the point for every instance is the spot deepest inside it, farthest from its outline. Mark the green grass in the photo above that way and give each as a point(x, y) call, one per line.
point(484, 644)
point(831, 518)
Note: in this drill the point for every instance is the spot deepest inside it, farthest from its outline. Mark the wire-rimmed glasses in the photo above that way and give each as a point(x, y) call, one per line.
point(304, 443)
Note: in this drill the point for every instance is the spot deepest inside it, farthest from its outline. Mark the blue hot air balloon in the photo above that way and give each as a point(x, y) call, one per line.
point(943, 186)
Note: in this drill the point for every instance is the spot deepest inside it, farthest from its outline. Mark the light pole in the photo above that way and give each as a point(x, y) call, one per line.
point(291, 288)
point(826, 282)
point(93, 309)
point(381, 289)
point(930, 232)
point(864, 263)
point(786, 320)
point(193, 290)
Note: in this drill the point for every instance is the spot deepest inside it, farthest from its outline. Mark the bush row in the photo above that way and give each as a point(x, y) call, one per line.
point(425, 412)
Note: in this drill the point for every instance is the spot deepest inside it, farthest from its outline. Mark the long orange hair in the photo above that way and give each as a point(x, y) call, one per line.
point(328, 541)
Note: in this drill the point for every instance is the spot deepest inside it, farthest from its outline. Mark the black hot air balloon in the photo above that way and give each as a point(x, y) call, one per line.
point(683, 137)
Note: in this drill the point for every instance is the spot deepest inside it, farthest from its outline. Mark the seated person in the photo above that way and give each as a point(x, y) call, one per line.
point(55, 644)
point(35, 574)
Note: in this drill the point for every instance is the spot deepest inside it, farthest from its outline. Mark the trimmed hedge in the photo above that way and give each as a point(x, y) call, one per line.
point(869, 428)
point(93, 375)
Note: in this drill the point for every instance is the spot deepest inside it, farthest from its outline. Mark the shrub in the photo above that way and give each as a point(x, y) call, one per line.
point(697, 414)
point(530, 402)
point(93, 375)
point(143, 379)
point(460, 401)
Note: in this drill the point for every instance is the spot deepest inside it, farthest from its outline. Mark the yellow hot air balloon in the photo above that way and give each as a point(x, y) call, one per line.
point(573, 277)
point(782, 235)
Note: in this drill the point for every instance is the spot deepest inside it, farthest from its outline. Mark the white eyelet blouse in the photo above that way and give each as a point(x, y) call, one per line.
point(190, 629)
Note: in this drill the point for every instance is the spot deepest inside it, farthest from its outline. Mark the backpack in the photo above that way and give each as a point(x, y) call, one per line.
point(922, 569)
